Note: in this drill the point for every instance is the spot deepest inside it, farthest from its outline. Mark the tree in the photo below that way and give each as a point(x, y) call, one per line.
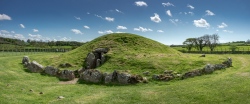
point(248, 41)
point(189, 43)
point(213, 41)
point(201, 42)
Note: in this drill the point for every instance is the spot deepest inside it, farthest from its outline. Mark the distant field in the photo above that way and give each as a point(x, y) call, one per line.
point(230, 86)
point(218, 48)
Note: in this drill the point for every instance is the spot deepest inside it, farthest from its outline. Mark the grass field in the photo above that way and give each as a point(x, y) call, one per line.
point(224, 86)
point(218, 48)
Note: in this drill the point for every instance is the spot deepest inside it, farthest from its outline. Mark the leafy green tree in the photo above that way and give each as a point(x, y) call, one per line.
point(213, 41)
point(189, 43)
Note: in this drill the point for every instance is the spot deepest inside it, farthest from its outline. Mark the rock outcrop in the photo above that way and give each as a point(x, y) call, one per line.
point(208, 69)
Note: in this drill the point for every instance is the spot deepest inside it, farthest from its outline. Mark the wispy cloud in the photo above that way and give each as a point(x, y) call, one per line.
point(190, 6)
point(118, 11)
point(156, 18)
point(98, 16)
point(105, 32)
point(4, 17)
point(142, 29)
point(35, 30)
point(201, 23)
point(167, 4)
point(160, 31)
point(140, 3)
point(22, 26)
point(35, 37)
point(223, 25)
point(227, 31)
point(19, 36)
point(209, 13)
point(109, 19)
point(174, 21)
point(191, 13)
point(78, 18)
point(168, 12)
point(121, 27)
point(76, 31)
point(86, 27)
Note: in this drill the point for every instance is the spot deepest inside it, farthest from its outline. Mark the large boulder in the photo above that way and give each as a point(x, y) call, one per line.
point(51, 70)
point(66, 75)
point(219, 66)
point(123, 78)
point(35, 67)
point(91, 75)
point(25, 60)
point(208, 69)
point(78, 72)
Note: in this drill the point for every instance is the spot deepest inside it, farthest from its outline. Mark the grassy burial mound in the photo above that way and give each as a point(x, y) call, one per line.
point(133, 53)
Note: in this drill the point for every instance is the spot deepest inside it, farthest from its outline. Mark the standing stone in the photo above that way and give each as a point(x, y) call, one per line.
point(66, 75)
point(91, 75)
point(25, 60)
point(35, 67)
point(90, 61)
point(51, 70)
point(108, 78)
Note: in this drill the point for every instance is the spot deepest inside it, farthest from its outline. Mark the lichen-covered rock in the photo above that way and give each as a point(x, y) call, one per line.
point(123, 78)
point(65, 65)
point(91, 75)
point(90, 61)
point(135, 79)
point(66, 75)
point(78, 72)
point(208, 69)
point(219, 66)
point(228, 62)
point(35, 67)
point(25, 60)
point(192, 74)
point(98, 62)
point(163, 77)
point(103, 58)
point(51, 70)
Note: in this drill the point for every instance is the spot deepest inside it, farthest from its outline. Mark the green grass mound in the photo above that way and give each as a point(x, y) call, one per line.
point(132, 53)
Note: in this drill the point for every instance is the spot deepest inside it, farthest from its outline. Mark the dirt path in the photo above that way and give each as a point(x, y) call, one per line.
point(69, 82)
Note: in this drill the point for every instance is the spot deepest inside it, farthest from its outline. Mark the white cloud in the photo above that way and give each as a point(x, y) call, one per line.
point(78, 18)
point(167, 4)
point(160, 31)
point(142, 29)
point(156, 18)
point(109, 19)
point(105, 32)
point(19, 36)
point(209, 13)
point(223, 25)
point(140, 3)
point(190, 6)
point(118, 11)
point(13, 32)
point(88, 13)
point(35, 37)
point(4, 17)
point(64, 39)
point(174, 21)
point(22, 26)
point(76, 31)
point(168, 12)
point(121, 27)
point(4, 32)
point(35, 30)
point(227, 31)
point(86, 27)
point(201, 23)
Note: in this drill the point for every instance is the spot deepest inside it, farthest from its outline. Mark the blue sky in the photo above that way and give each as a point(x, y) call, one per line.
point(166, 21)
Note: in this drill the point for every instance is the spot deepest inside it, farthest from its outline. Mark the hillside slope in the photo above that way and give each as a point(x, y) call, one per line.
point(132, 53)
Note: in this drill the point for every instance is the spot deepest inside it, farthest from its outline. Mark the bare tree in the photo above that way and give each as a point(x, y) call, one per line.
point(213, 41)
point(201, 42)
point(189, 43)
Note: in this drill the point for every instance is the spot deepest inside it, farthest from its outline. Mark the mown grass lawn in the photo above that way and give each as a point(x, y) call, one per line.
point(224, 86)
